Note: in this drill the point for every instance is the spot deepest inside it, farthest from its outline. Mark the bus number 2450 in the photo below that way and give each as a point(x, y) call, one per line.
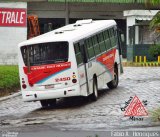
point(62, 79)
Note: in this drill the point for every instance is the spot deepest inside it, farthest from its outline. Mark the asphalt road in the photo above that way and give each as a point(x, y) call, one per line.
point(80, 116)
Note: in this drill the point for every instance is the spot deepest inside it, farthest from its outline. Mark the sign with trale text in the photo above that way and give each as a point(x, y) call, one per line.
point(13, 17)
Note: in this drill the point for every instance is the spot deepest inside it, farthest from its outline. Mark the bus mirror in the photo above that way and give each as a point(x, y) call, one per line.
point(122, 38)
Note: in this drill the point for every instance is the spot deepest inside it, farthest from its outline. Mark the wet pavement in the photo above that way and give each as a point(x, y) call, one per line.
point(77, 114)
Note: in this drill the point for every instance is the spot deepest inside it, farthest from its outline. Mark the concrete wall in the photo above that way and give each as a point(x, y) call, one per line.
point(11, 36)
point(81, 10)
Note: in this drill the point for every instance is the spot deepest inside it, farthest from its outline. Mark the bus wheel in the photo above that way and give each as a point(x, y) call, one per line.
point(94, 95)
point(44, 103)
point(114, 83)
point(52, 102)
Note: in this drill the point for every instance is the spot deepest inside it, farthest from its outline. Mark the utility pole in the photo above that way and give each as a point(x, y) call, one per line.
point(67, 12)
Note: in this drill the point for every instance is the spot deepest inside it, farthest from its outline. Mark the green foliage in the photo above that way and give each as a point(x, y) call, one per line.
point(9, 77)
point(155, 2)
point(156, 115)
point(155, 22)
point(154, 51)
point(152, 2)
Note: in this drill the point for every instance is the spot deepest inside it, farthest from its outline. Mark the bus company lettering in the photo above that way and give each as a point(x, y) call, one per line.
point(108, 57)
point(12, 17)
point(60, 65)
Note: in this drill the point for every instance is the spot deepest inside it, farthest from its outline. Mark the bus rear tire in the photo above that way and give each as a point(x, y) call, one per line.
point(94, 95)
point(48, 103)
point(114, 83)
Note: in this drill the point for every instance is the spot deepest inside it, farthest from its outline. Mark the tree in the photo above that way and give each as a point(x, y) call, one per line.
point(155, 22)
point(152, 2)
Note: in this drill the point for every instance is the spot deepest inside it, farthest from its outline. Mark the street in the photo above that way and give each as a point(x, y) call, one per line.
point(81, 114)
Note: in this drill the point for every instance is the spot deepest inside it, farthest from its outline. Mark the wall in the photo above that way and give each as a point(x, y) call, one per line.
point(12, 31)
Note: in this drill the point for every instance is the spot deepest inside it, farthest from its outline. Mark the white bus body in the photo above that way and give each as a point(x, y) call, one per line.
point(74, 60)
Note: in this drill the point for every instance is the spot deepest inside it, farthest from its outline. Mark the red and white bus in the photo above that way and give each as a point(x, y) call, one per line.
point(75, 60)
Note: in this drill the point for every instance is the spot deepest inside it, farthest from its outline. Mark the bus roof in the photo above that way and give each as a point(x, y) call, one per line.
point(73, 32)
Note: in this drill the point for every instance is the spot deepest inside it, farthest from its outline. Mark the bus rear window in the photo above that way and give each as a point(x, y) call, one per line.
point(45, 53)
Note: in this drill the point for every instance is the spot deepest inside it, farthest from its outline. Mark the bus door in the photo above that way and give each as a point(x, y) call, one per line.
point(90, 65)
point(119, 35)
point(85, 62)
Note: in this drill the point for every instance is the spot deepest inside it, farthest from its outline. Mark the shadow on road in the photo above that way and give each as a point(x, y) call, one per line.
point(75, 102)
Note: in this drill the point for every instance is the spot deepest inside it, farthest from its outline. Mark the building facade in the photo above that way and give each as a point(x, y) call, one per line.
point(56, 13)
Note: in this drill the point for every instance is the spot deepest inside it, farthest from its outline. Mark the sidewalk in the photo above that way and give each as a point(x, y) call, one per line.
point(139, 64)
point(10, 96)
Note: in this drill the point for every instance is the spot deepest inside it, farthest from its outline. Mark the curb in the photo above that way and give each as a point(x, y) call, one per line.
point(10, 96)
point(134, 64)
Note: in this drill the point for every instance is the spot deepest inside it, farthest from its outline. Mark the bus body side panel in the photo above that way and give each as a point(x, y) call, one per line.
point(80, 73)
point(103, 67)
point(106, 66)
point(82, 80)
point(94, 68)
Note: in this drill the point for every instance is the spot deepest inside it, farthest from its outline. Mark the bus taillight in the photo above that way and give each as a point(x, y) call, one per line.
point(31, 84)
point(74, 80)
point(24, 86)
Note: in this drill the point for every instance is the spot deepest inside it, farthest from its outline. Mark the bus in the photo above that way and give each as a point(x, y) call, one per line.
point(74, 60)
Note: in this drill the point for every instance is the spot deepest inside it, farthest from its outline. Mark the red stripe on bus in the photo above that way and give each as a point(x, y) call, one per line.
point(108, 59)
point(38, 73)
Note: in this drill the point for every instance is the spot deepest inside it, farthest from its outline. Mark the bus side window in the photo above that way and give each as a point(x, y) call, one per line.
point(78, 53)
point(95, 45)
point(89, 46)
point(101, 42)
point(106, 39)
point(24, 54)
point(112, 35)
point(115, 36)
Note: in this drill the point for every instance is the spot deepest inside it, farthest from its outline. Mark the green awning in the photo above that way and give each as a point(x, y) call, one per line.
point(100, 1)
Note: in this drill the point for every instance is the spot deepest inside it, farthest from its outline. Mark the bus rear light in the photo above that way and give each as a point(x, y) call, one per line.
point(28, 95)
point(74, 76)
point(24, 86)
point(74, 80)
point(31, 84)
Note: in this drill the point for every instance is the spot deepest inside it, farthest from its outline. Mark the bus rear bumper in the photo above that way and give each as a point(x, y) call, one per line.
point(51, 94)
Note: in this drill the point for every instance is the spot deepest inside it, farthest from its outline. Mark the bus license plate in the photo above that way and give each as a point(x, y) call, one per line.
point(49, 86)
